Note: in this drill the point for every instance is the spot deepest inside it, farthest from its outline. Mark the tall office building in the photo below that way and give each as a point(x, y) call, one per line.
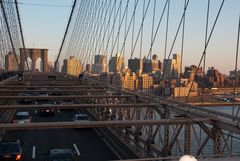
point(11, 64)
point(130, 81)
point(116, 63)
point(172, 67)
point(145, 82)
point(135, 65)
point(72, 66)
point(147, 65)
point(100, 64)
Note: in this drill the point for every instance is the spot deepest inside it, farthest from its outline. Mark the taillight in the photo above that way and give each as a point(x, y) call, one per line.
point(18, 157)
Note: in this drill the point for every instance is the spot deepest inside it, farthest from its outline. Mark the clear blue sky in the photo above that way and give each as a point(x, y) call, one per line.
point(44, 27)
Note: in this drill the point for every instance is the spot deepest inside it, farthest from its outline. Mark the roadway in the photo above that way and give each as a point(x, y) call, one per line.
point(88, 144)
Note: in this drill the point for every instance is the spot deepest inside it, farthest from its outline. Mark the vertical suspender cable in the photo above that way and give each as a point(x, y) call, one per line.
point(206, 32)
point(153, 22)
point(182, 46)
point(175, 38)
point(206, 45)
point(133, 27)
point(166, 34)
point(125, 30)
point(157, 28)
point(9, 34)
point(204, 59)
point(140, 49)
point(236, 80)
point(236, 64)
point(141, 26)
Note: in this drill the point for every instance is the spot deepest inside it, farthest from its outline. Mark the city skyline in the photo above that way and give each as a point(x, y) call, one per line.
point(225, 31)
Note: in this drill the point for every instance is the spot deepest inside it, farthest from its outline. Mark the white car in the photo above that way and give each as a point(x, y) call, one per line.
point(22, 117)
point(80, 117)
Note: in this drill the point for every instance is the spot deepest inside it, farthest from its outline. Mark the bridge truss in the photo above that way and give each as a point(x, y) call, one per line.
point(149, 125)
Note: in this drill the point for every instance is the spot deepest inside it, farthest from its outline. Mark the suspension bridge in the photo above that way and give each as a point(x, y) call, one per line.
point(132, 116)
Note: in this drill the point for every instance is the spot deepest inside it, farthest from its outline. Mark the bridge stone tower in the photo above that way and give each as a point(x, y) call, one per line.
point(34, 54)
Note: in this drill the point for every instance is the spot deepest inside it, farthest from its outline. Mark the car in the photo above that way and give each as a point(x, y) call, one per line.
point(11, 151)
point(80, 117)
point(42, 93)
point(61, 155)
point(27, 100)
point(22, 117)
point(66, 102)
point(45, 111)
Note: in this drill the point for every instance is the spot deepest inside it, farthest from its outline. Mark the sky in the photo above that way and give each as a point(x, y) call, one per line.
point(44, 27)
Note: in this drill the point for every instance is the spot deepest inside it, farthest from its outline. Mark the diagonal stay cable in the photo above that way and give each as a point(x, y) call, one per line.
point(9, 34)
point(157, 29)
point(175, 38)
point(20, 26)
point(70, 18)
point(205, 48)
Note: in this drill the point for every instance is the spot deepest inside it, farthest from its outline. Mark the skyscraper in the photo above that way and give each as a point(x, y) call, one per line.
point(147, 65)
point(135, 65)
point(172, 67)
point(116, 63)
point(100, 64)
point(72, 66)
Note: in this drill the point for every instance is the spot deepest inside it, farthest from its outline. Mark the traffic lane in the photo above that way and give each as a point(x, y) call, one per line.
point(88, 144)
point(85, 142)
point(66, 115)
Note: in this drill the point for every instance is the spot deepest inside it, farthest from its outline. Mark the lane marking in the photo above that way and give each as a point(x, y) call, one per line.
point(98, 133)
point(76, 149)
point(34, 152)
point(114, 151)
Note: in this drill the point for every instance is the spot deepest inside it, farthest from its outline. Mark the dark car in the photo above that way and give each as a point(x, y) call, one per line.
point(11, 151)
point(46, 111)
point(27, 100)
point(61, 155)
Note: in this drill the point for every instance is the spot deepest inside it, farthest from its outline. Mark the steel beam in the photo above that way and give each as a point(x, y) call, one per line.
point(52, 90)
point(96, 124)
point(73, 106)
point(187, 139)
point(65, 96)
point(51, 86)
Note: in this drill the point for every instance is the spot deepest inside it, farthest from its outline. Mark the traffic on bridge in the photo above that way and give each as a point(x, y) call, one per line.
point(125, 82)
